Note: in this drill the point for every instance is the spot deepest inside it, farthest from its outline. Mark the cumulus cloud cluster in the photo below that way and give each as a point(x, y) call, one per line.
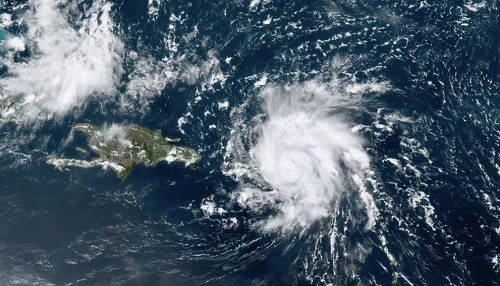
point(67, 65)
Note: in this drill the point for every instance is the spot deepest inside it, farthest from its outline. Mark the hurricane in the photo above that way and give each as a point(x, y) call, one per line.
point(308, 156)
point(249, 142)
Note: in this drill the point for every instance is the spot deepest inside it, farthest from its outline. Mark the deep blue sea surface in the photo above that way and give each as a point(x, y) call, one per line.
point(343, 142)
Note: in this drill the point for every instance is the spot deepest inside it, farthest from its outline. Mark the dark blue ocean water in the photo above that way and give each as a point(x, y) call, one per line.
point(439, 211)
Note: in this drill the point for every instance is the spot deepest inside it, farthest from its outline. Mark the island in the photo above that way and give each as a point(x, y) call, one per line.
point(120, 147)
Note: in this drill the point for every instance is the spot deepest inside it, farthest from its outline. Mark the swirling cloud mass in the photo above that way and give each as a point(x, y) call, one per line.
point(307, 155)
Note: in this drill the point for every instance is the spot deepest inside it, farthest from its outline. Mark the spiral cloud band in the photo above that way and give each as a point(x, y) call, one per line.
point(307, 155)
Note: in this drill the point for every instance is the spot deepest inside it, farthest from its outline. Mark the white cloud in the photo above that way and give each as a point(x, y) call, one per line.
point(15, 44)
point(5, 20)
point(307, 155)
point(67, 65)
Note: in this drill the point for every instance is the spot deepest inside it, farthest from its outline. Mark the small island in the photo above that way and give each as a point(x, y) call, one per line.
point(120, 147)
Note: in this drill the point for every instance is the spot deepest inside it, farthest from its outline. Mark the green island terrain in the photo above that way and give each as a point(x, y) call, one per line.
point(120, 147)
